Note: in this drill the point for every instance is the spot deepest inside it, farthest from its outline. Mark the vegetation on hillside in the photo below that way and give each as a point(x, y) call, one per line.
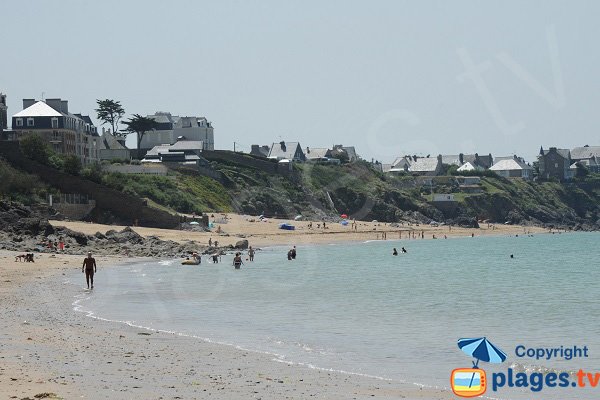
point(356, 189)
point(20, 186)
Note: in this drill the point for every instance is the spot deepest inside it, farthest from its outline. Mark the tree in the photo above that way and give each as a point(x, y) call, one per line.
point(35, 148)
point(140, 125)
point(110, 112)
point(71, 164)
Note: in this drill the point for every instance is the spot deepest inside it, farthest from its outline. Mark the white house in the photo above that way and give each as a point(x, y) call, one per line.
point(514, 167)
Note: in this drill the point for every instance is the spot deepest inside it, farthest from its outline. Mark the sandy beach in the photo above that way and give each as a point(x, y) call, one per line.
point(235, 227)
point(48, 348)
point(50, 351)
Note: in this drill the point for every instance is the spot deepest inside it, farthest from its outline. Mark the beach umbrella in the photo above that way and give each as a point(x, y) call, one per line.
point(344, 222)
point(344, 216)
point(483, 350)
point(298, 218)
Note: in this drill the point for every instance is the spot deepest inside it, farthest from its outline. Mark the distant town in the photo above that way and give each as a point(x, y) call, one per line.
point(183, 139)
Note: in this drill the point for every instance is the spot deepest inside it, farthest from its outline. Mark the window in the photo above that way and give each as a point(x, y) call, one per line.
point(29, 121)
point(19, 121)
point(54, 123)
point(555, 165)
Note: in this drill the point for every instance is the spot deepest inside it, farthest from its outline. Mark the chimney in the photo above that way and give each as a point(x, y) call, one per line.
point(54, 103)
point(282, 144)
point(103, 131)
point(64, 106)
point(28, 103)
point(461, 158)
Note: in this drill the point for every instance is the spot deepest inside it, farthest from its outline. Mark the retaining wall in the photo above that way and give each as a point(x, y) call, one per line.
point(129, 209)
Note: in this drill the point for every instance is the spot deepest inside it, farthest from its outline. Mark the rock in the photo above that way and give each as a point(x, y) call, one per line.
point(241, 244)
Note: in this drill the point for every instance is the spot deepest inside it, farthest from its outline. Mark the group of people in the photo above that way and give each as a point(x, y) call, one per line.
point(291, 255)
point(238, 261)
point(27, 257)
point(395, 252)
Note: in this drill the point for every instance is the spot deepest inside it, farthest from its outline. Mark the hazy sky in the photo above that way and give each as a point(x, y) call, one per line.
point(389, 77)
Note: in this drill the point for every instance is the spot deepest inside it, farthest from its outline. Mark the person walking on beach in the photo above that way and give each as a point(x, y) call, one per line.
point(251, 253)
point(209, 242)
point(89, 264)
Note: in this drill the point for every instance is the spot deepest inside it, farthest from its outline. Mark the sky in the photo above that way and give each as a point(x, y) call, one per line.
point(388, 77)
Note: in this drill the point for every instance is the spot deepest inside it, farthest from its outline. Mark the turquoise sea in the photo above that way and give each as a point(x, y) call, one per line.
point(358, 309)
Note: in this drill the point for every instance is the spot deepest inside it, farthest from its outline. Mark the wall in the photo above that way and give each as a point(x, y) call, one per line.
point(146, 169)
point(74, 211)
point(242, 159)
point(114, 154)
point(127, 208)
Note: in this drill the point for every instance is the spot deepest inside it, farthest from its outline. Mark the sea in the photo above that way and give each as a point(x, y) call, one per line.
point(357, 309)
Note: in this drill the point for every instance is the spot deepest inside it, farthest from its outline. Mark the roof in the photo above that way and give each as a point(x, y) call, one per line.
point(386, 167)
point(468, 167)
point(451, 159)
point(156, 150)
point(279, 152)
point(588, 162)
point(509, 165)
point(580, 153)
point(565, 153)
point(187, 145)
point(402, 161)
point(316, 152)
point(110, 142)
point(424, 164)
point(39, 109)
point(351, 151)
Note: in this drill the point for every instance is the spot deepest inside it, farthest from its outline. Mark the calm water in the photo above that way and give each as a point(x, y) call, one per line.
point(356, 308)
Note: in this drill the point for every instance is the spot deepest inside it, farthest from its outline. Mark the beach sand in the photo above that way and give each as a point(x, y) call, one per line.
point(46, 347)
point(268, 233)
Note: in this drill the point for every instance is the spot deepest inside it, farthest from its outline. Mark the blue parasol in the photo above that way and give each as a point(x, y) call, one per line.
point(483, 350)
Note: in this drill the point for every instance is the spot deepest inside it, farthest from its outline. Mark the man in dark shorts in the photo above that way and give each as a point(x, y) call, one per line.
point(89, 264)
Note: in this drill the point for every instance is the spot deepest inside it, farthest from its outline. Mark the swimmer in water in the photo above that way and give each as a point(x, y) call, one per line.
point(237, 261)
point(395, 252)
point(404, 250)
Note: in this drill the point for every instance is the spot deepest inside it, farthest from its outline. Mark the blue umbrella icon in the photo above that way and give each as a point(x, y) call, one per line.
point(483, 350)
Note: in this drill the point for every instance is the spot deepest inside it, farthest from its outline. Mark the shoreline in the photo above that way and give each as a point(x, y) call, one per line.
point(261, 234)
point(47, 347)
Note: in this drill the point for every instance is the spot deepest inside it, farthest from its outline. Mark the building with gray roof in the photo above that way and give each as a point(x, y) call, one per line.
point(287, 151)
point(172, 128)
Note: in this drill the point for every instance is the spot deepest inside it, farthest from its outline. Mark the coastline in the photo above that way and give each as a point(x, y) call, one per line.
point(239, 227)
point(47, 347)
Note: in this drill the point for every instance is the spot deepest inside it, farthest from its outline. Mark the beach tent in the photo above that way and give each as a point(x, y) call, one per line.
point(344, 222)
point(298, 217)
point(287, 227)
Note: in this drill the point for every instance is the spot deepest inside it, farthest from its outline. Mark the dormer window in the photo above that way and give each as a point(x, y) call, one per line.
point(30, 122)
